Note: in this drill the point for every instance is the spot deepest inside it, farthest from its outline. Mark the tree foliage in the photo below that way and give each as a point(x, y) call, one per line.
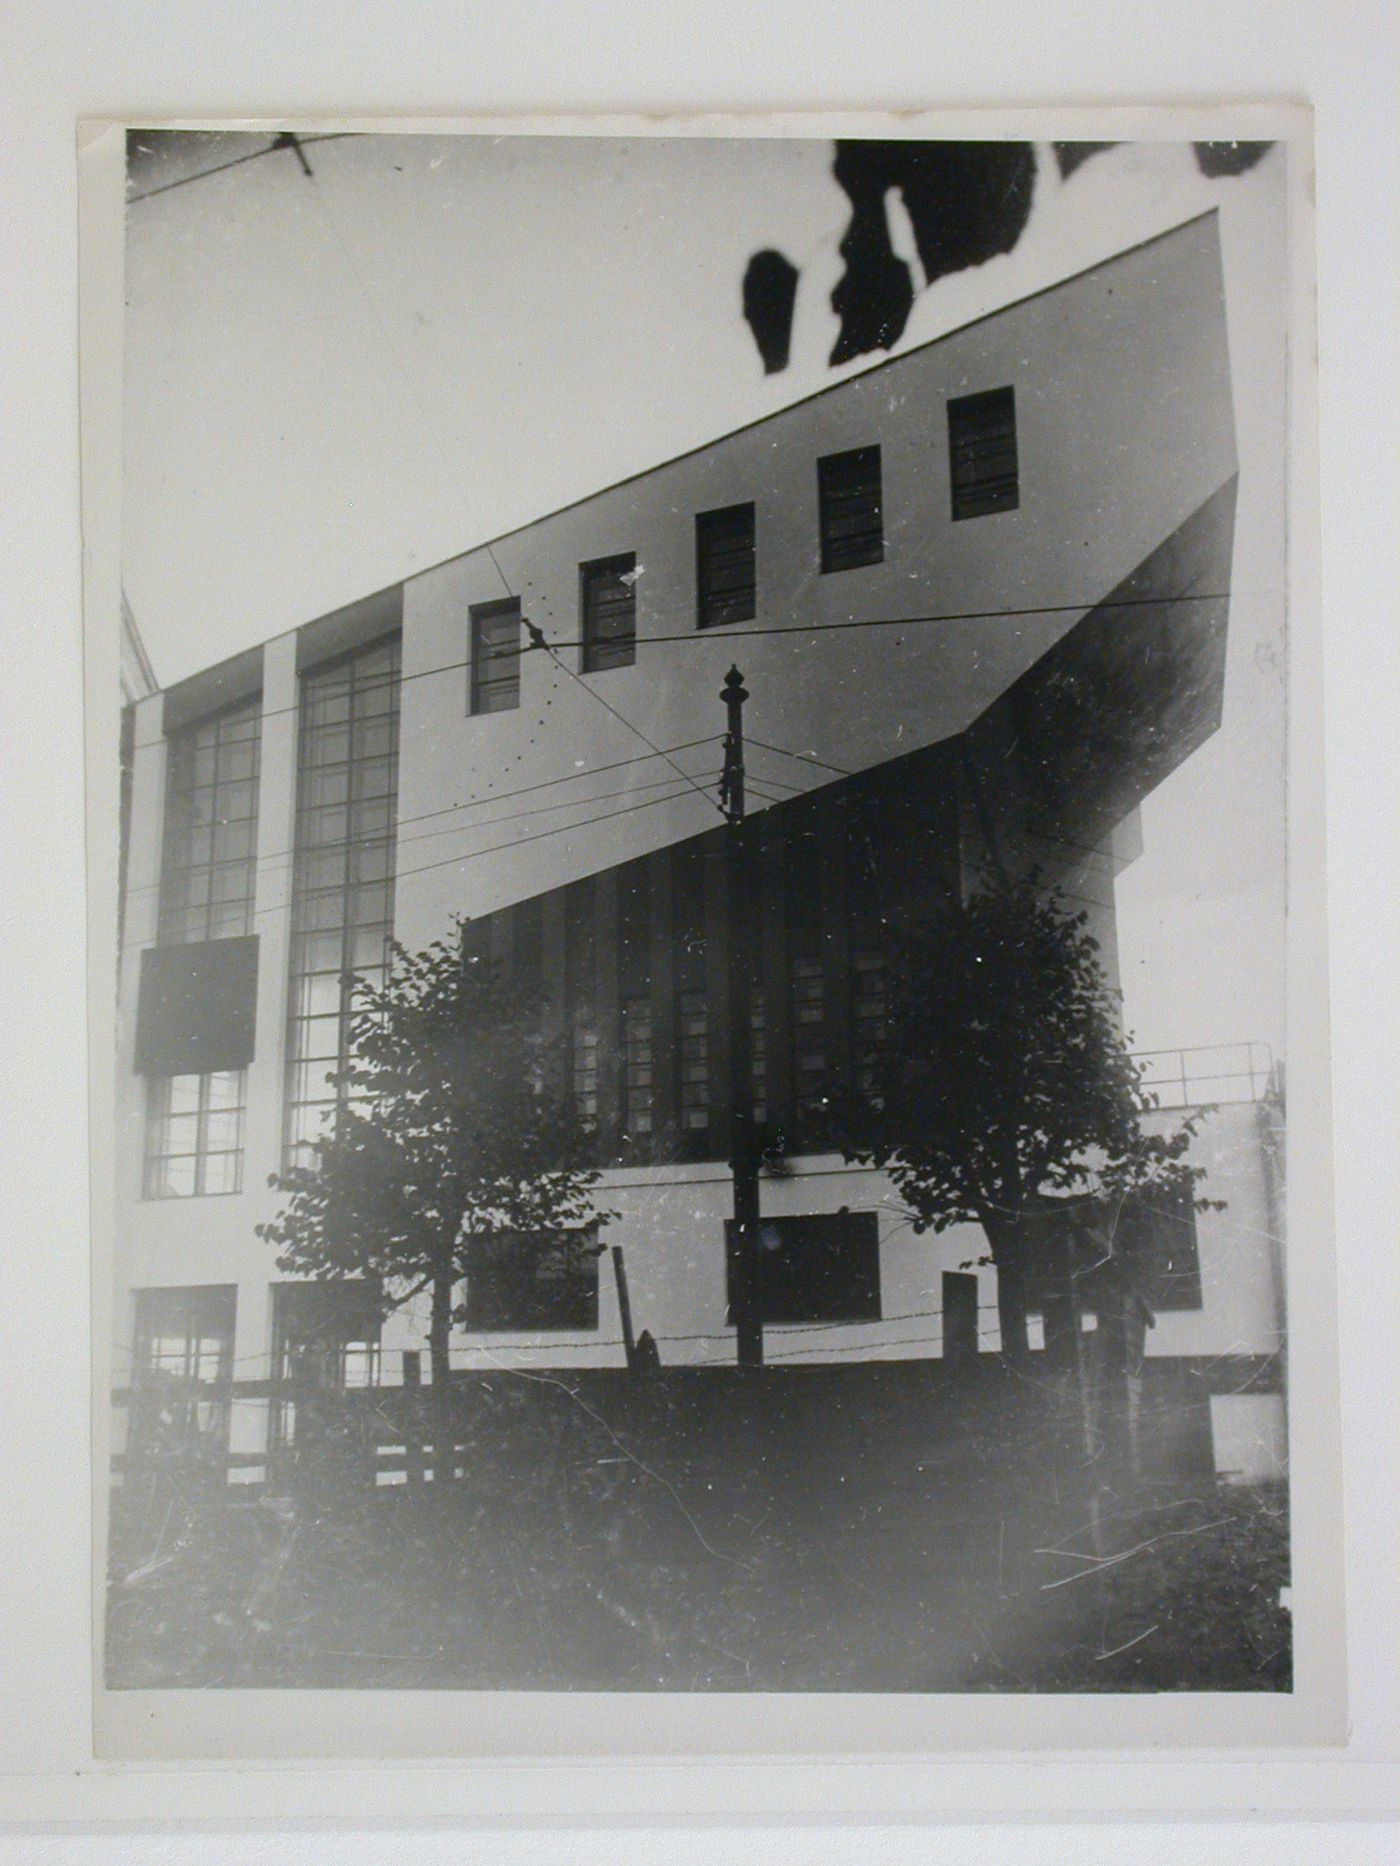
point(453, 1129)
point(1004, 1089)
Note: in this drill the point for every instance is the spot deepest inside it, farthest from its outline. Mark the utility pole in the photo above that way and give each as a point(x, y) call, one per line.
point(743, 1139)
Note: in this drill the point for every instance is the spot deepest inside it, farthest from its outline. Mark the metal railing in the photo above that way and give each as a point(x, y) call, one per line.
point(1208, 1072)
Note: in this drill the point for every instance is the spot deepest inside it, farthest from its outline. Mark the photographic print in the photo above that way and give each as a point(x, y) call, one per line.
point(700, 1096)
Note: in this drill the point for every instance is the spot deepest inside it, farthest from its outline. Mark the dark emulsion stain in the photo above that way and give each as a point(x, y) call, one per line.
point(770, 294)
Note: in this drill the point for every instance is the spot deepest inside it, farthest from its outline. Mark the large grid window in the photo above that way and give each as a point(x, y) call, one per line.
point(852, 520)
point(808, 1031)
point(982, 453)
point(324, 1335)
point(495, 649)
point(695, 1061)
point(194, 1134)
point(343, 879)
point(726, 581)
point(608, 601)
point(211, 828)
point(638, 1060)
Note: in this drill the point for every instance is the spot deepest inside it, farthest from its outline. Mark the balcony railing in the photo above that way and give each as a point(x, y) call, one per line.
point(1212, 1072)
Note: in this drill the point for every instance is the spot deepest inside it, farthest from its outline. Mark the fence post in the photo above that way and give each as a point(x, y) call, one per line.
point(624, 1305)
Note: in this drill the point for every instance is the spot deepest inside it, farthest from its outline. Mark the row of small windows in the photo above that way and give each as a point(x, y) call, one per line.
point(984, 478)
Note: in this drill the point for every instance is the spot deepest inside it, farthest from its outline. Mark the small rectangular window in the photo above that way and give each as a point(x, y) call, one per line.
point(725, 574)
point(608, 600)
point(495, 656)
point(982, 453)
point(818, 1268)
point(194, 1134)
point(852, 520)
point(518, 1284)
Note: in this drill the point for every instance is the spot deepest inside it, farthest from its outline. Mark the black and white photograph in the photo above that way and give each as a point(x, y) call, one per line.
point(701, 1071)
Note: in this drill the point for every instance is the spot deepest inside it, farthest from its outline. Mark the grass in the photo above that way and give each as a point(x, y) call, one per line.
point(815, 1534)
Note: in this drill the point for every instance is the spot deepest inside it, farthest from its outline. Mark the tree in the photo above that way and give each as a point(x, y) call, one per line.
point(1004, 1093)
point(454, 1130)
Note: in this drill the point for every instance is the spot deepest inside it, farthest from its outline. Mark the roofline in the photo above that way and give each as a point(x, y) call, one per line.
point(689, 453)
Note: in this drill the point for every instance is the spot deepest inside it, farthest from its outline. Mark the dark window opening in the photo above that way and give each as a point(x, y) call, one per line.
point(822, 1268)
point(725, 569)
point(495, 656)
point(982, 453)
point(527, 1284)
point(852, 521)
point(609, 604)
point(324, 1335)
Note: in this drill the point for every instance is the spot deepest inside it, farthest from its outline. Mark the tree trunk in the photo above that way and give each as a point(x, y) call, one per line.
point(1007, 1241)
point(439, 1339)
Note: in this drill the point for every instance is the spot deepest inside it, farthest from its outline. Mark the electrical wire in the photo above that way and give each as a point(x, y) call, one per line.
point(798, 629)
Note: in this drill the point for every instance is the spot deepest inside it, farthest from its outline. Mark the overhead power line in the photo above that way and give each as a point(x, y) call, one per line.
point(700, 637)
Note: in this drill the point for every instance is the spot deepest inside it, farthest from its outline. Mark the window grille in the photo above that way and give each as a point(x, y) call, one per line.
point(852, 521)
point(638, 1063)
point(982, 453)
point(695, 1061)
point(725, 571)
point(809, 1031)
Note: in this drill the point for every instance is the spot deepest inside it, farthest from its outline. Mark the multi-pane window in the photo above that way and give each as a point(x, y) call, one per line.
point(982, 453)
point(324, 1335)
point(343, 877)
point(584, 1064)
point(725, 575)
point(495, 653)
point(758, 1052)
point(637, 1065)
point(211, 828)
point(695, 1061)
point(608, 600)
point(182, 1363)
point(852, 521)
point(194, 1134)
point(869, 1010)
point(808, 1031)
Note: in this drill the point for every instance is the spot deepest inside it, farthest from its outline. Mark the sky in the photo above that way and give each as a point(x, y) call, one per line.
point(335, 381)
